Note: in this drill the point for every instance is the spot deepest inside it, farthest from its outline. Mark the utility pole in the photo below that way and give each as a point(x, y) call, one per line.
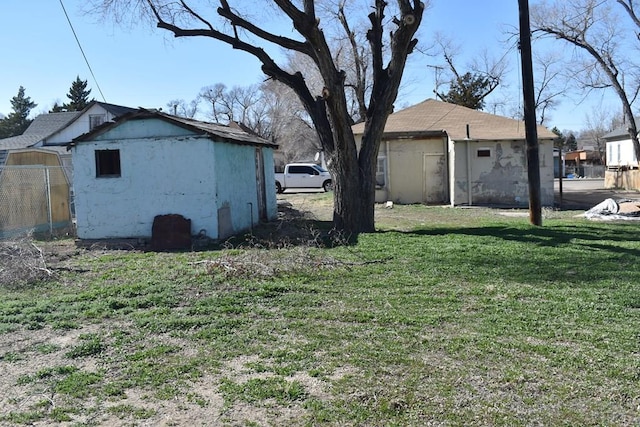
point(530, 123)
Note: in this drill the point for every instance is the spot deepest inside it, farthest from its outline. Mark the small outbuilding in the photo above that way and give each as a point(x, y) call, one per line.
point(440, 153)
point(148, 163)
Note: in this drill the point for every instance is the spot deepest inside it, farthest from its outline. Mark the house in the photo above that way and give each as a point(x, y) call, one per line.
point(621, 161)
point(440, 153)
point(53, 131)
point(148, 163)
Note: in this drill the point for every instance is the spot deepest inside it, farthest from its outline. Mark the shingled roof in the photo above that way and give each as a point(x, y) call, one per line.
point(40, 128)
point(432, 116)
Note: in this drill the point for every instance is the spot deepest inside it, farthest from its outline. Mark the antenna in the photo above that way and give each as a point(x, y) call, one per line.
point(437, 69)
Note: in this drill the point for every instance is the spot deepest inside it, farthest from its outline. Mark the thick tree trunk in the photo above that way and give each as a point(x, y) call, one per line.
point(354, 197)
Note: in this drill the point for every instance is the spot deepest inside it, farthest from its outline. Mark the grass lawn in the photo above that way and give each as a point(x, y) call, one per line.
point(445, 317)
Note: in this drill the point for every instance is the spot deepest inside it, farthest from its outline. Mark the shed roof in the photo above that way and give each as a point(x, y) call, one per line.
point(212, 130)
point(432, 116)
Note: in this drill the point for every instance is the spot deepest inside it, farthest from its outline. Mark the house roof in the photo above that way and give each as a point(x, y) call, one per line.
point(618, 133)
point(20, 141)
point(45, 125)
point(437, 117)
point(213, 130)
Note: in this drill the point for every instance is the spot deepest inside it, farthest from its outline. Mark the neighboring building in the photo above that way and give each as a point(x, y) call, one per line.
point(619, 149)
point(149, 163)
point(440, 153)
point(585, 163)
point(558, 163)
point(53, 131)
point(622, 163)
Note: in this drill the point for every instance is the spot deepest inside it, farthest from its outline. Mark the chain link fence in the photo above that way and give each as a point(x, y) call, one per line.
point(34, 200)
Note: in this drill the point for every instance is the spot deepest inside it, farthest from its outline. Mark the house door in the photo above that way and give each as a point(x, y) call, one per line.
point(260, 185)
point(433, 178)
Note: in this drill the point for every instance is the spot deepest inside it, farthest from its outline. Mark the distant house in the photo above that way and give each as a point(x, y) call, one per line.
point(584, 163)
point(619, 149)
point(53, 131)
point(622, 163)
point(440, 153)
point(148, 163)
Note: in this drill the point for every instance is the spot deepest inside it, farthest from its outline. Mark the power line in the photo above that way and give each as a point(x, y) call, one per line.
point(82, 50)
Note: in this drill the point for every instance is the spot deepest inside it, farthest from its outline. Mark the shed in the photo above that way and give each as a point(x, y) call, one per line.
point(148, 163)
point(440, 153)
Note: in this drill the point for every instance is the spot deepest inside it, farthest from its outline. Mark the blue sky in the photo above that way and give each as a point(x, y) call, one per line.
point(144, 66)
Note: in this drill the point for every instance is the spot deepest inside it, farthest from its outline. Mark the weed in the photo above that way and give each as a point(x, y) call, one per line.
point(91, 345)
point(260, 389)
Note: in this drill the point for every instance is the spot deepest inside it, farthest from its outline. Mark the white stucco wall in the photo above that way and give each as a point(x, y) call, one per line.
point(501, 178)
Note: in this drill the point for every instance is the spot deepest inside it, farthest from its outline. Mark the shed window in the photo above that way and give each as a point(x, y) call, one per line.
point(484, 152)
point(107, 163)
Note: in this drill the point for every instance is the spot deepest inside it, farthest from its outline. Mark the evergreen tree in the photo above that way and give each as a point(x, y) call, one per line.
point(17, 121)
point(78, 96)
point(469, 90)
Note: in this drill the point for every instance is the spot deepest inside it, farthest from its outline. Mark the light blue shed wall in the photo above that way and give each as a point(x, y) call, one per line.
point(175, 174)
point(143, 128)
point(238, 193)
point(158, 177)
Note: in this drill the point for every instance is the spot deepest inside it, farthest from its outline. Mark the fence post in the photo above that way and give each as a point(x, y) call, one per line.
point(47, 180)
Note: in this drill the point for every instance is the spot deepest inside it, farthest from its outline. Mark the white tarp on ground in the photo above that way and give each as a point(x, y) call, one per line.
point(611, 209)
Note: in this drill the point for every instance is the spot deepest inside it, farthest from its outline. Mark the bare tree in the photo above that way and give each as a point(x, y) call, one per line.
point(599, 123)
point(182, 108)
point(352, 165)
point(287, 123)
point(604, 45)
point(550, 82)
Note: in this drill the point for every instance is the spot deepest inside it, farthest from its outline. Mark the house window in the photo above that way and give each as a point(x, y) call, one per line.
point(483, 152)
point(107, 163)
point(381, 171)
point(96, 120)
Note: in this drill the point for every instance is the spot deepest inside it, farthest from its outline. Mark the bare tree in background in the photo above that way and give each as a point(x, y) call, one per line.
point(289, 125)
point(182, 108)
point(606, 46)
point(352, 166)
point(599, 123)
point(550, 82)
